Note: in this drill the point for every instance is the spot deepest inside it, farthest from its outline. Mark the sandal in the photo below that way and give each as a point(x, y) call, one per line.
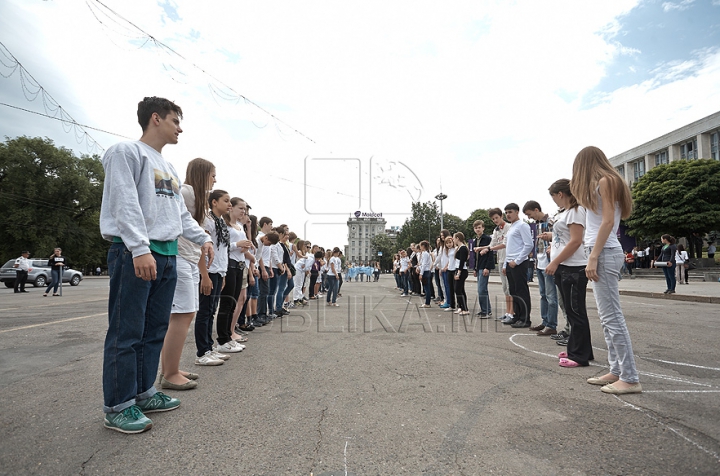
point(45, 295)
point(562, 355)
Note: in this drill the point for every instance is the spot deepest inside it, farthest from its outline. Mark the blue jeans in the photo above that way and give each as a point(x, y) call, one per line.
point(404, 281)
point(280, 285)
point(206, 314)
point(332, 285)
point(55, 276)
point(138, 316)
point(607, 299)
point(548, 299)
point(427, 281)
point(670, 278)
point(483, 295)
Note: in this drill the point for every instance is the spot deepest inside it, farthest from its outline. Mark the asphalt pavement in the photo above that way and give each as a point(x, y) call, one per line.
point(375, 386)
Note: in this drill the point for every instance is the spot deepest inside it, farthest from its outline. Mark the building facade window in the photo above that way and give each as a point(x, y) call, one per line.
point(621, 170)
point(715, 145)
point(688, 150)
point(661, 158)
point(638, 169)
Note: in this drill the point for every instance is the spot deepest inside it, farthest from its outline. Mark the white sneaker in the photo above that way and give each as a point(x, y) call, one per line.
point(227, 347)
point(208, 360)
point(220, 356)
point(238, 345)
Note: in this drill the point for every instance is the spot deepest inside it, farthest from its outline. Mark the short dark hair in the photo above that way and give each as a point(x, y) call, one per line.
point(495, 211)
point(512, 206)
point(531, 205)
point(273, 237)
point(154, 104)
point(263, 221)
point(319, 254)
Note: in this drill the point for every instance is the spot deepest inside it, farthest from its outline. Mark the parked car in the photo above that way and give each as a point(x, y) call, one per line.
point(40, 275)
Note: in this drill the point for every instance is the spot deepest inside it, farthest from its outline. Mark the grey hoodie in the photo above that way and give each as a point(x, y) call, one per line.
point(142, 201)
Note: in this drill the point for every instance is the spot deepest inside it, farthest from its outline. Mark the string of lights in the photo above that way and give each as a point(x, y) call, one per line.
point(84, 126)
point(164, 47)
point(32, 88)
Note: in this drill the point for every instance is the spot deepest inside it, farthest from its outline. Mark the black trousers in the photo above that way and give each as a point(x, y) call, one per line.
point(517, 282)
point(20, 280)
point(572, 285)
point(313, 280)
point(460, 289)
point(228, 302)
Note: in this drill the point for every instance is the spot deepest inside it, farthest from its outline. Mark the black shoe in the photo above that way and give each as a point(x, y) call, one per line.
point(519, 324)
point(23, 291)
point(246, 328)
point(560, 336)
point(563, 342)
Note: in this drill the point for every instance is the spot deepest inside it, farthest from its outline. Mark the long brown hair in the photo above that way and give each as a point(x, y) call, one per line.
point(563, 185)
point(198, 176)
point(252, 231)
point(589, 167)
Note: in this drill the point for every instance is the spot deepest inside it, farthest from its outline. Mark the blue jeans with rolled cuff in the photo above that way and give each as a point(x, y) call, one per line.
point(138, 316)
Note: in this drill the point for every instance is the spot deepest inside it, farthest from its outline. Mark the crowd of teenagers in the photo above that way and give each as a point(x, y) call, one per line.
point(184, 252)
point(577, 245)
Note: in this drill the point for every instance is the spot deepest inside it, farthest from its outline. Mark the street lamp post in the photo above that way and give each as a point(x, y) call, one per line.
point(441, 196)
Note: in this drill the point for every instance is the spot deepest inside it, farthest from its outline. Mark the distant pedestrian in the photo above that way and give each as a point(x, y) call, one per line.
point(57, 263)
point(682, 263)
point(711, 250)
point(22, 268)
point(667, 260)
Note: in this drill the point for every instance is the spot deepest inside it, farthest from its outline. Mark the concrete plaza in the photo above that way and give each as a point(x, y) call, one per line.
point(375, 386)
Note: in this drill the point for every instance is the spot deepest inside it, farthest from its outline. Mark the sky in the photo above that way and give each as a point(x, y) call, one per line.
point(311, 111)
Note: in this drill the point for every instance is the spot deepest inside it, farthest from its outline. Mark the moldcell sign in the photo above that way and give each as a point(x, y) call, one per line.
point(359, 214)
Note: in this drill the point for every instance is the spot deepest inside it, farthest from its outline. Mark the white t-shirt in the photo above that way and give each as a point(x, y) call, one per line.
point(404, 264)
point(220, 263)
point(451, 262)
point(561, 236)
point(592, 225)
point(237, 234)
point(338, 264)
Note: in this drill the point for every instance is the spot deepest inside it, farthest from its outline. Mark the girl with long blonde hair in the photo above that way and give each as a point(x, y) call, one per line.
point(600, 189)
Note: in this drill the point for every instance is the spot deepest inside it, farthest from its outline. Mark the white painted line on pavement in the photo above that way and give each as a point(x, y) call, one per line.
point(647, 374)
point(681, 391)
point(685, 364)
point(652, 417)
point(52, 322)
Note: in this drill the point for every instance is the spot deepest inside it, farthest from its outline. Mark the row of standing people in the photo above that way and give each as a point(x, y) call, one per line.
point(178, 253)
point(574, 247)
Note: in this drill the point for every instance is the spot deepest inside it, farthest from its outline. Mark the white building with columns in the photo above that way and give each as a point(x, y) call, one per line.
point(697, 140)
point(362, 227)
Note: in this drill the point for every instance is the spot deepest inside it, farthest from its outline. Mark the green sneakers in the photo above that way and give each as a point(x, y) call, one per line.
point(130, 420)
point(158, 403)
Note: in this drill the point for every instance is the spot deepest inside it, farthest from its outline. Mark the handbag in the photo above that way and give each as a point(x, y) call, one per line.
point(293, 271)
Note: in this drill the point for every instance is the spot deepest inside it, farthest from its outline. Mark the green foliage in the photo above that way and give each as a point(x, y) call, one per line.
point(677, 198)
point(423, 225)
point(384, 244)
point(51, 198)
point(479, 214)
point(453, 224)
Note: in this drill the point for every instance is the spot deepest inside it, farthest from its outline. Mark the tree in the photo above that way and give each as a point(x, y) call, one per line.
point(678, 198)
point(52, 198)
point(423, 225)
point(383, 244)
point(479, 214)
point(453, 224)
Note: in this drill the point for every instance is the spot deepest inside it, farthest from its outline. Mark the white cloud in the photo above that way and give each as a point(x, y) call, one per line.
point(683, 5)
point(482, 97)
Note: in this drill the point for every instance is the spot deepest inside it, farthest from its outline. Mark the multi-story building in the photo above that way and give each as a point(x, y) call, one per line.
point(362, 227)
point(697, 140)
